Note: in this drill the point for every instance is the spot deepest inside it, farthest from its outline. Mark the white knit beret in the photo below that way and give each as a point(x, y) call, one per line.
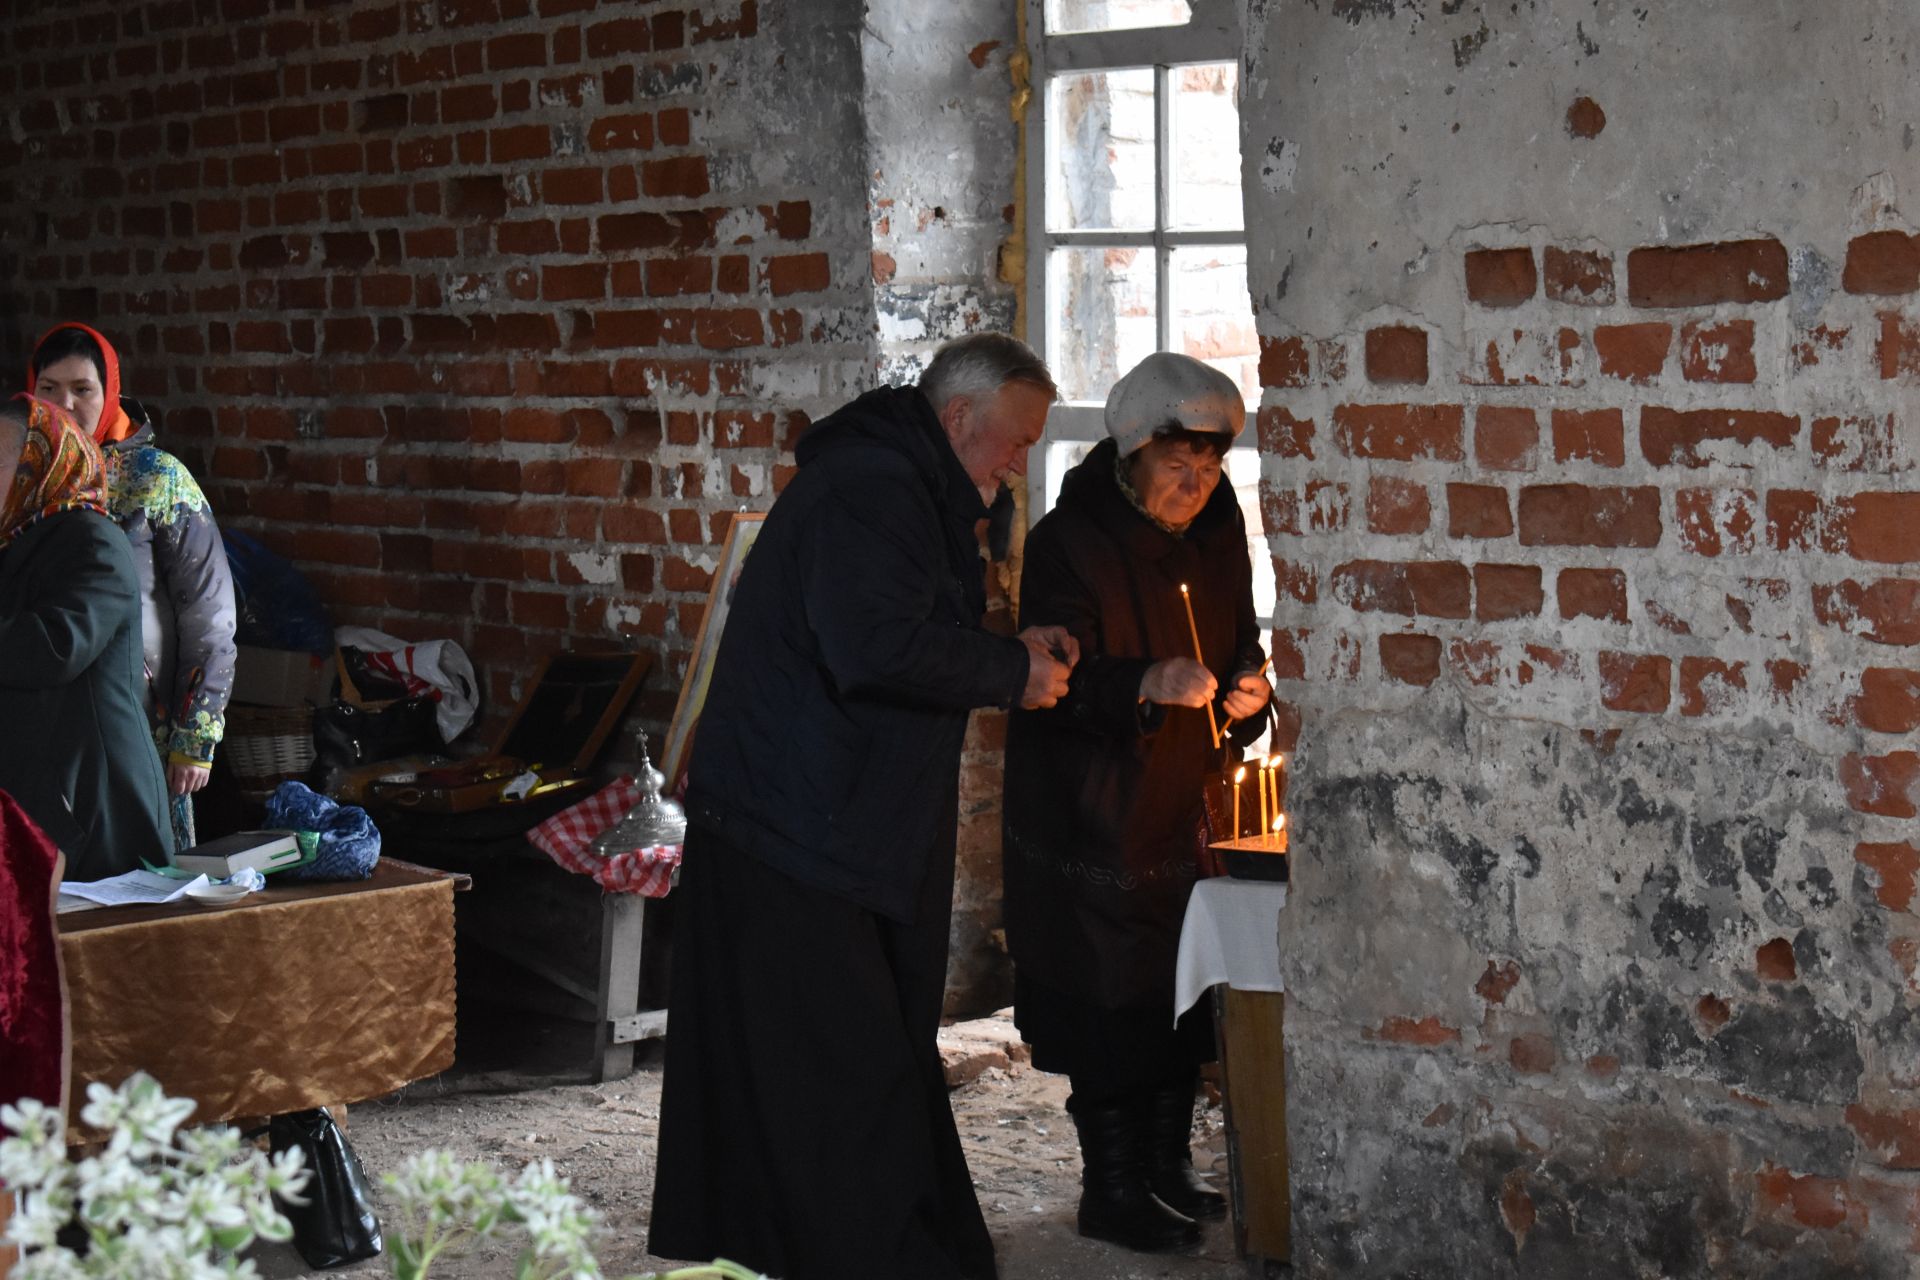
point(1168, 388)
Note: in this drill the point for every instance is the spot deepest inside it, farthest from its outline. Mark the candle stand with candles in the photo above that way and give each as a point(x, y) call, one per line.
point(1249, 803)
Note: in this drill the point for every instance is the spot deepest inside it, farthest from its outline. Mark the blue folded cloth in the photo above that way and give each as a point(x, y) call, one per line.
point(349, 842)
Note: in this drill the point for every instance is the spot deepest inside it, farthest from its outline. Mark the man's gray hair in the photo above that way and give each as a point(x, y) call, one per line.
point(979, 365)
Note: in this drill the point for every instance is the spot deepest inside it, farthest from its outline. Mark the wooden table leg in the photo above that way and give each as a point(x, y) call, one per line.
point(622, 927)
point(1253, 1067)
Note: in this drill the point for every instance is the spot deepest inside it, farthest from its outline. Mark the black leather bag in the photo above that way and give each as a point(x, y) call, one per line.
point(346, 736)
point(337, 1224)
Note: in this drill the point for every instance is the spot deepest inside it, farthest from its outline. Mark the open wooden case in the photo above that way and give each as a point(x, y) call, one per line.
point(557, 732)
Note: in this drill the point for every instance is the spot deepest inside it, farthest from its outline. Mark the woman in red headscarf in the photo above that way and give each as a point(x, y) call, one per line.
point(186, 592)
point(75, 750)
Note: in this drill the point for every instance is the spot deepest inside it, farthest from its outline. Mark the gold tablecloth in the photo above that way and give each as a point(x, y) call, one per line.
point(299, 997)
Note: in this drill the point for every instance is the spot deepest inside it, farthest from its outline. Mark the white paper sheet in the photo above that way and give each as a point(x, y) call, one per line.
point(129, 887)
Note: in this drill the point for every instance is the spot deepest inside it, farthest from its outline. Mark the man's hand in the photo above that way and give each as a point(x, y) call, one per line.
point(1178, 682)
point(185, 779)
point(1058, 641)
point(1051, 653)
point(1250, 693)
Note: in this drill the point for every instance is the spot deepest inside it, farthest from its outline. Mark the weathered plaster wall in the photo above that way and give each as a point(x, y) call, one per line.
point(940, 170)
point(1589, 347)
point(940, 173)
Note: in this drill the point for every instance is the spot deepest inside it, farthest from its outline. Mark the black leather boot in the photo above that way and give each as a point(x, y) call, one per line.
point(1115, 1202)
point(1170, 1166)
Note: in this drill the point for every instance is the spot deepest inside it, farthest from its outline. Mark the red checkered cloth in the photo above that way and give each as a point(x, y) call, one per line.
point(565, 836)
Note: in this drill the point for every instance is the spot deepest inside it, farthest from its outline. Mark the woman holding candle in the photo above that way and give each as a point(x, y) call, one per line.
point(1104, 817)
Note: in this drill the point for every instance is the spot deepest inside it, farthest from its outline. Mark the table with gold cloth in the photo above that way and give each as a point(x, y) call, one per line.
point(299, 996)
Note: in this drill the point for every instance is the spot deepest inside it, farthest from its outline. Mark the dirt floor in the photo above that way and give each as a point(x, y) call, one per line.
point(1019, 1143)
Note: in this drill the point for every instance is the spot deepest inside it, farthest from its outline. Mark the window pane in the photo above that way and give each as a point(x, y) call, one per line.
point(1111, 15)
point(1103, 316)
point(1205, 147)
point(1243, 469)
point(1213, 314)
point(1100, 157)
point(1062, 457)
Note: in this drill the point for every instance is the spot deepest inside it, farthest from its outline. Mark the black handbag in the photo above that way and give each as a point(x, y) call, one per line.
point(346, 736)
point(337, 1224)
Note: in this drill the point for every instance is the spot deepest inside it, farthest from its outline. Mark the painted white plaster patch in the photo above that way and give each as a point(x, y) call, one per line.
point(739, 226)
point(1278, 166)
point(897, 328)
point(597, 567)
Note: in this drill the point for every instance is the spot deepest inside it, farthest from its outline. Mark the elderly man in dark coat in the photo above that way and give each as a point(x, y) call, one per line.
point(805, 1128)
point(1103, 802)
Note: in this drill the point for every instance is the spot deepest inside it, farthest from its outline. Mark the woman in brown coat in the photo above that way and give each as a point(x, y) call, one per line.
point(1103, 791)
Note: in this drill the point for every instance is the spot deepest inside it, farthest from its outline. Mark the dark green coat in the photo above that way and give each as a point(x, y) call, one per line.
point(75, 750)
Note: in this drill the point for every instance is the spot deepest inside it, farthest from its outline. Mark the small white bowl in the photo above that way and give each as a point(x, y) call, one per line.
point(217, 895)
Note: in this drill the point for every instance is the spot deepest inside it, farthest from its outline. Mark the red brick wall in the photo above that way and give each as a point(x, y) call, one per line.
point(488, 313)
point(1597, 442)
point(1592, 482)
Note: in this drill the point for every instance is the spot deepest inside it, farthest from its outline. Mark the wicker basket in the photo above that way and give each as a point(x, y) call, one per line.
point(265, 746)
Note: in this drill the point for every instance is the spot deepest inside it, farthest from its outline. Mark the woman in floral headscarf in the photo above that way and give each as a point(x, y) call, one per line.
point(75, 750)
point(186, 592)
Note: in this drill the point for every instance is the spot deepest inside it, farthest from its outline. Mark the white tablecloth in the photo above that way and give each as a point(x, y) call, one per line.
point(1231, 935)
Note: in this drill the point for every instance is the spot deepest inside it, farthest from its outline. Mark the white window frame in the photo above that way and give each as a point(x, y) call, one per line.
point(1211, 35)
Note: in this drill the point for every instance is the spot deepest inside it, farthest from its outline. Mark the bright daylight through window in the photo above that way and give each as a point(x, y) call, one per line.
point(1135, 218)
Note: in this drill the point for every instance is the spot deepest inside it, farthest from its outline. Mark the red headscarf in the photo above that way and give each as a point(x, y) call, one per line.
point(114, 423)
point(60, 470)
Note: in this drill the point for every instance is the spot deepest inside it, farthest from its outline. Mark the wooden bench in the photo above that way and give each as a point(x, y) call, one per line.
point(548, 922)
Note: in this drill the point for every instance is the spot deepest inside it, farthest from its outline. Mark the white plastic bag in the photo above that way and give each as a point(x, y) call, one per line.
point(439, 669)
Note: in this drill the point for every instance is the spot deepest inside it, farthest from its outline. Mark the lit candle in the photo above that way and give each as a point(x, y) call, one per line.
point(1279, 823)
point(1239, 776)
point(1213, 726)
point(1260, 779)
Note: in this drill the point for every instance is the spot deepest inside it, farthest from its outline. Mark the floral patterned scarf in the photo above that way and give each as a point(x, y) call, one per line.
point(60, 470)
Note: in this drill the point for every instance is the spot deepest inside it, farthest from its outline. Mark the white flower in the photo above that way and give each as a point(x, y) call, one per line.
point(39, 1215)
point(140, 1114)
point(36, 1153)
point(209, 1149)
point(49, 1264)
point(560, 1224)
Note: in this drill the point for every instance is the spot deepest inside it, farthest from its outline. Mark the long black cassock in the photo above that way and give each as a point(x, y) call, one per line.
point(805, 1129)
